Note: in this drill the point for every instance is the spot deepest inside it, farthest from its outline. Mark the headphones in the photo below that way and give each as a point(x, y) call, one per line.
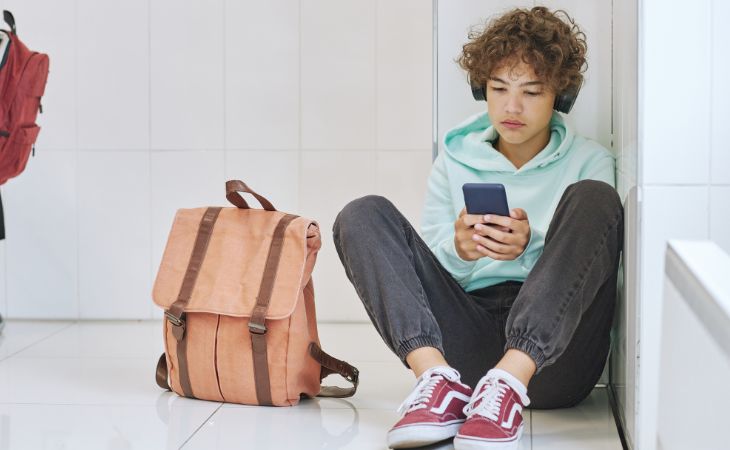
point(563, 102)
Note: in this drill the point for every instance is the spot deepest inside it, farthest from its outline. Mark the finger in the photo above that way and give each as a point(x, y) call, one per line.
point(486, 252)
point(518, 214)
point(491, 244)
point(472, 219)
point(500, 220)
point(498, 235)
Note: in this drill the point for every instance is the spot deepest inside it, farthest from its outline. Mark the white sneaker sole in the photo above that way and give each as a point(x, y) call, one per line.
point(419, 435)
point(463, 443)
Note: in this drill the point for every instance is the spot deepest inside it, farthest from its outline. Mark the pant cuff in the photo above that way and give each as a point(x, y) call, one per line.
point(415, 343)
point(528, 346)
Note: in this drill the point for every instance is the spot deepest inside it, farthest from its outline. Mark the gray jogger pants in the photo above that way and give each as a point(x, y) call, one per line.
point(561, 315)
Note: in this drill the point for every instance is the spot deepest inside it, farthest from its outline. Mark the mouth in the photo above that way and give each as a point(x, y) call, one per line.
point(512, 124)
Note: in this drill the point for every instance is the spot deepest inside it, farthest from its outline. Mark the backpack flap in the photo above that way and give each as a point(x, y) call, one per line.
point(233, 266)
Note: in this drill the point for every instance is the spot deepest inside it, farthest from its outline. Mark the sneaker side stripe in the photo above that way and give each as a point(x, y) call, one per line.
point(447, 400)
point(515, 409)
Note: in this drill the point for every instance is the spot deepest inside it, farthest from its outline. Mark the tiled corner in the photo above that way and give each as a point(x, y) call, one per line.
point(720, 216)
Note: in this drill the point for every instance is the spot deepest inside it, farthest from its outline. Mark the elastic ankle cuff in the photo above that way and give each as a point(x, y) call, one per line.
point(415, 343)
point(528, 346)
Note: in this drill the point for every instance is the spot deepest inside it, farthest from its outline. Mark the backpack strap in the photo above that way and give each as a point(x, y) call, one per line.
point(257, 325)
point(332, 365)
point(10, 20)
point(176, 313)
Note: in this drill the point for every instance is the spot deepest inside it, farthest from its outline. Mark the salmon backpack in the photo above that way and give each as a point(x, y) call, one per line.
point(23, 76)
point(240, 324)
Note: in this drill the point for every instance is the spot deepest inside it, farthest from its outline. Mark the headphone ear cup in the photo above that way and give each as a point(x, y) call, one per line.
point(479, 93)
point(564, 102)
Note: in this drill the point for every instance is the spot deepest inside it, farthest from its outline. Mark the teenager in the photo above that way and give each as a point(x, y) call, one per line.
point(482, 307)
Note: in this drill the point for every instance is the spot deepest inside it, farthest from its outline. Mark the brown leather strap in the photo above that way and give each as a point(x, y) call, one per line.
point(176, 313)
point(233, 187)
point(161, 373)
point(257, 323)
point(332, 365)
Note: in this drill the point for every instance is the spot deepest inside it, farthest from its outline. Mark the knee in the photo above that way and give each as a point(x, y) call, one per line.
point(356, 214)
point(596, 195)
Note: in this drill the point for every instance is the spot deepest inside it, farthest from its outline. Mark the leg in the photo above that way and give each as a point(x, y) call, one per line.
point(563, 313)
point(410, 298)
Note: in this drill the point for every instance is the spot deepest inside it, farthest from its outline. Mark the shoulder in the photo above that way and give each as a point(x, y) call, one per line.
point(589, 151)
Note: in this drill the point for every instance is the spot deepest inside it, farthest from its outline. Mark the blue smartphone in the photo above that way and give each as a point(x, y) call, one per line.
point(485, 198)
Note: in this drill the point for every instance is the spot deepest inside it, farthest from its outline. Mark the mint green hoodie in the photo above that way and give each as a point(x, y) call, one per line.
point(536, 187)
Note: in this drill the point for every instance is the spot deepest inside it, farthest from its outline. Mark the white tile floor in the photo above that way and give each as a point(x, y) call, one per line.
point(90, 385)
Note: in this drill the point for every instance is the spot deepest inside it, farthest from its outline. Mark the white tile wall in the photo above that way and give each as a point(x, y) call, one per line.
point(49, 26)
point(337, 74)
point(113, 74)
point(720, 136)
point(170, 99)
point(404, 81)
point(401, 176)
point(675, 117)
point(3, 283)
point(41, 242)
point(186, 40)
point(262, 74)
point(336, 298)
point(720, 216)
point(114, 234)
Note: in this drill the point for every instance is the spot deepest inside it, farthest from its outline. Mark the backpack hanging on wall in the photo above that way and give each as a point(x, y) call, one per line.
point(23, 76)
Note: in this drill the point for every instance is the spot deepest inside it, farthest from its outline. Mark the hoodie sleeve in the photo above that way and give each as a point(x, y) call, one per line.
point(437, 226)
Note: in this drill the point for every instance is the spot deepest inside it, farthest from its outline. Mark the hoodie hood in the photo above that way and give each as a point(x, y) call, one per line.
point(470, 143)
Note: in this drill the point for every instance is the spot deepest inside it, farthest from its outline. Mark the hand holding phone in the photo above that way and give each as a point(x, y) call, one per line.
point(487, 227)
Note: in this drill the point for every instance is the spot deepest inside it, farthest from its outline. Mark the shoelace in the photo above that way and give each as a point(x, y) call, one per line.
point(421, 394)
point(489, 400)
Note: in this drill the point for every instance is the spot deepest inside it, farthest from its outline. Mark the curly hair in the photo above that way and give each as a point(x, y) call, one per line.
point(554, 48)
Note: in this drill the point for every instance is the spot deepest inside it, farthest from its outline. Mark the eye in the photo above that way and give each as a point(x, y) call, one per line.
point(497, 88)
point(533, 94)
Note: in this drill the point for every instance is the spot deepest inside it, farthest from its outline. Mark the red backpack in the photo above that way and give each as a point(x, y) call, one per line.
point(23, 76)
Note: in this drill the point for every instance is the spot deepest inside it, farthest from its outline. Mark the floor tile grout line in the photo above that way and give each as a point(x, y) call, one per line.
point(38, 341)
point(201, 426)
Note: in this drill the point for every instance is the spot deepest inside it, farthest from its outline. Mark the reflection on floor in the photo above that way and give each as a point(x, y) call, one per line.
point(90, 385)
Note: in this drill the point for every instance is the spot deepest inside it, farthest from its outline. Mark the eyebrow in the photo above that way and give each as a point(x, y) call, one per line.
point(529, 83)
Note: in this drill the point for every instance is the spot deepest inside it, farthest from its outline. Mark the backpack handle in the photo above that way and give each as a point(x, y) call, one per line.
point(10, 20)
point(233, 187)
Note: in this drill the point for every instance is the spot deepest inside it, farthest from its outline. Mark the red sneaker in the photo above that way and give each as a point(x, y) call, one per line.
point(494, 414)
point(433, 411)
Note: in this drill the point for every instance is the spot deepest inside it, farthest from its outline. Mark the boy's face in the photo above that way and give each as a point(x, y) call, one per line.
point(518, 103)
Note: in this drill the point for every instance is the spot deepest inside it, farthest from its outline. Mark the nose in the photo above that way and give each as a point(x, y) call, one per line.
point(513, 105)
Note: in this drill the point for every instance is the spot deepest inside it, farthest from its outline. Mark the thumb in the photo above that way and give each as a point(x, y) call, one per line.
point(518, 214)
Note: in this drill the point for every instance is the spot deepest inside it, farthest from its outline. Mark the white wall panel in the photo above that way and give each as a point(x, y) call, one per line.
point(186, 60)
point(40, 212)
point(720, 216)
point(338, 74)
point(676, 111)
point(660, 222)
point(113, 74)
point(720, 137)
point(262, 74)
point(114, 234)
